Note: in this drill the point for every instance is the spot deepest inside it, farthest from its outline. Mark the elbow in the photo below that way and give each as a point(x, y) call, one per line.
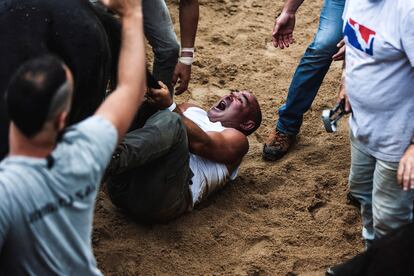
point(198, 148)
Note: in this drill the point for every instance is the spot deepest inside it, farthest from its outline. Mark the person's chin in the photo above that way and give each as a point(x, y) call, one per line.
point(213, 115)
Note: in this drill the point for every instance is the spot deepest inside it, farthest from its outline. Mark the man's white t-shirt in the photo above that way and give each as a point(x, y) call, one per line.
point(209, 176)
point(46, 207)
point(379, 36)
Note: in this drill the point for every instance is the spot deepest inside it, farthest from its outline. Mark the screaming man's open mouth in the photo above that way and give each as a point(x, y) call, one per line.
point(221, 105)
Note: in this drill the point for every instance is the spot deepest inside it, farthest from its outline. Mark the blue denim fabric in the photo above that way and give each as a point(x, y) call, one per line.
point(159, 31)
point(312, 68)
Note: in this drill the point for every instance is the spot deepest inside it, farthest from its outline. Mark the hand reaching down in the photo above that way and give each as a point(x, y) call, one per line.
point(282, 35)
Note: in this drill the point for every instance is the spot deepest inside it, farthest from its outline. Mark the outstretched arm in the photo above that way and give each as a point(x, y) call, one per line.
point(282, 35)
point(189, 13)
point(121, 105)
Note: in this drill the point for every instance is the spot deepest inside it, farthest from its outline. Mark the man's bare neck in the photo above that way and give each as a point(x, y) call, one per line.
point(39, 146)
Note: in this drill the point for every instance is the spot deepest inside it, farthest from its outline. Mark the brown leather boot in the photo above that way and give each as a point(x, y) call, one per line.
point(277, 145)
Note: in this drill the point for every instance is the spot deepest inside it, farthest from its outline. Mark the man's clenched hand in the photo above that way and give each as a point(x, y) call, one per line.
point(159, 98)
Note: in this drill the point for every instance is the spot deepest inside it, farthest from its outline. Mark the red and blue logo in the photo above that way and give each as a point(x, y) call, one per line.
point(360, 37)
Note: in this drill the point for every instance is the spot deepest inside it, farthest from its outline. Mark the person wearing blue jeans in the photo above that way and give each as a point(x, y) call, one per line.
point(170, 66)
point(309, 74)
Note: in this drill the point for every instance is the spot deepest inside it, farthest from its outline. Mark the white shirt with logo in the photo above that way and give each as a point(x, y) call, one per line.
point(379, 36)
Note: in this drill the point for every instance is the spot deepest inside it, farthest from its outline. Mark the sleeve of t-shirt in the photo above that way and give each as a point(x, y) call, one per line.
point(4, 214)
point(93, 142)
point(407, 35)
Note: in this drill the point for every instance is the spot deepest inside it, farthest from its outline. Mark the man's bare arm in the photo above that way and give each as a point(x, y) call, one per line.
point(227, 147)
point(121, 106)
point(292, 6)
point(189, 14)
point(282, 35)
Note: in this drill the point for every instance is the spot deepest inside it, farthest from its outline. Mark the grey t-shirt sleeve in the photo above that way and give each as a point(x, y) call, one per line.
point(93, 141)
point(5, 215)
point(407, 35)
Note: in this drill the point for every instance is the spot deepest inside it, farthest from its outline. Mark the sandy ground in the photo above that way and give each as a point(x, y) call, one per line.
point(284, 218)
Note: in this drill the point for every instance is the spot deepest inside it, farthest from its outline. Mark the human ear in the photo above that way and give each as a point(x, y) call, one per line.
point(248, 125)
point(60, 122)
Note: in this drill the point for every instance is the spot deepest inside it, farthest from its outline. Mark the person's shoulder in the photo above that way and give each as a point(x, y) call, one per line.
point(95, 129)
point(235, 136)
point(94, 122)
point(91, 140)
point(405, 10)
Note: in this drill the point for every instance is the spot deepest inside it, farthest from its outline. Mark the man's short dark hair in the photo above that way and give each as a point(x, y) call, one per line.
point(256, 117)
point(31, 92)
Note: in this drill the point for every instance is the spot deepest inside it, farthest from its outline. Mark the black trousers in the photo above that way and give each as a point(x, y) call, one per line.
point(149, 174)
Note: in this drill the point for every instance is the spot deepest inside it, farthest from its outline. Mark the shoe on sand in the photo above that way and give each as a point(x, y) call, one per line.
point(277, 145)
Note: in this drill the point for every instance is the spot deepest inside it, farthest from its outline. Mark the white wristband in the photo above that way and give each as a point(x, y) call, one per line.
point(172, 107)
point(186, 60)
point(187, 50)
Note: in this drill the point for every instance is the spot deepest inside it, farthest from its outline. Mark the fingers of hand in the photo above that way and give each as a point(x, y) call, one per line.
point(400, 172)
point(275, 36)
point(406, 176)
point(347, 104)
point(174, 78)
point(405, 173)
point(163, 86)
point(286, 40)
point(179, 91)
point(291, 40)
point(279, 39)
point(182, 88)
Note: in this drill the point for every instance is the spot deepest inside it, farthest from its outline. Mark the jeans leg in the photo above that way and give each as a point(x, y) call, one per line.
point(361, 185)
point(392, 206)
point(159, 31)
point(312, 68)
point(152, 179)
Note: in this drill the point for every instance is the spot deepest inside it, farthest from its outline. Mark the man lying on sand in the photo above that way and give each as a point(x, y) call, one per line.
point(178, 158)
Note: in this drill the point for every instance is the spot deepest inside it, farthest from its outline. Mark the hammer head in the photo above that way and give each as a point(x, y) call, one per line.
point(330, 117)
point(330, 125)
